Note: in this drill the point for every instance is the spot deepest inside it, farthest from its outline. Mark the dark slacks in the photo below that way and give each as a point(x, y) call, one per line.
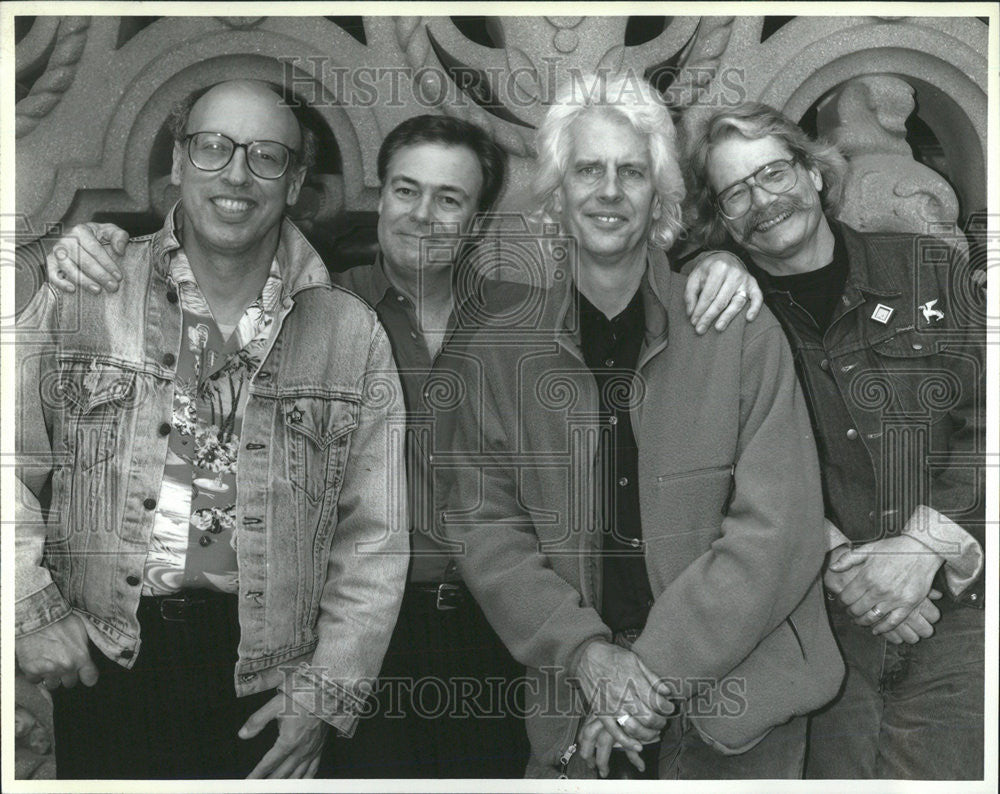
point(174, 715)
point(448, 703)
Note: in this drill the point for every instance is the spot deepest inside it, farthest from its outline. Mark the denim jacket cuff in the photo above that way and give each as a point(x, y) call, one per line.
point(963, 556)
point(42, 608)
point(325, 698)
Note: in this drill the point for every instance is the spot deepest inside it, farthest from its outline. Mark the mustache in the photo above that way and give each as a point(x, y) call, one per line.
point(785, 204)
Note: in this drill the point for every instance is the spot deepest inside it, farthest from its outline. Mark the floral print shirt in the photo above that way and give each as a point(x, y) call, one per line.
point(194, 530)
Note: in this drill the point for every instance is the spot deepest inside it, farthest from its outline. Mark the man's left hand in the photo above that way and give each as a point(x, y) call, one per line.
point(895, 578)
point(718, 289)
point(300, 739)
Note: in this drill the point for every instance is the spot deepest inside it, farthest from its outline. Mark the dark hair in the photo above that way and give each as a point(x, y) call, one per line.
point(304, 157)
point(754, 120)
point(447, 131)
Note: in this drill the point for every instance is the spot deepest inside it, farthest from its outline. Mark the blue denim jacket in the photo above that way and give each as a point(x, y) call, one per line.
point(322, 546)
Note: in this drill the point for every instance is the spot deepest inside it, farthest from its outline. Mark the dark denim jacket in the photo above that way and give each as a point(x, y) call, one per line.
point(321, 540)
point(910, 390)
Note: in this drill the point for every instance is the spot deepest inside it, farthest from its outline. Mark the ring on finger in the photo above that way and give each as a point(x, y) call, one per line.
point(876, 612)
point(742, 293)
point(621, 719)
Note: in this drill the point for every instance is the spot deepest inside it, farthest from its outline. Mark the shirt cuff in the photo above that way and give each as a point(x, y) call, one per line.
point(834, 537)
point(963, 556)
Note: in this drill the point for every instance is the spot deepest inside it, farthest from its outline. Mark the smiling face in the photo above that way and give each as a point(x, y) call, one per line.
point(776, 228)
point(232, 212)
point(607, 199)
point(425, 183)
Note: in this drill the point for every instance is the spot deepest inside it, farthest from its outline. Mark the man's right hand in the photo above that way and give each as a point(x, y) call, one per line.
point(57, 654)
point(89, 255)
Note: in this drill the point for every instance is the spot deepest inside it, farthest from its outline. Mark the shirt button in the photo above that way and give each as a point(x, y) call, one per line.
point(169, 359)
point(400, 298)
point(824, 365)
point(149, 503)
point(973, 596)
point(172, 297)
point(413, 334)
point(128, 653)
point(613, 420)
point(132, 580)
point(609, 362)
point(917, 346)
point(623, 482)
point(636, 543)
point(204, 540)
point(165, 429)
point(852, 434)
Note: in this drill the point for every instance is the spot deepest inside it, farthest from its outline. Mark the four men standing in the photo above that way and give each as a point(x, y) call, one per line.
point(635, 506)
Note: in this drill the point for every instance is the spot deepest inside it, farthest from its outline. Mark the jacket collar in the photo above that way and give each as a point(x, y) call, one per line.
point(655, 288)
point(301, 267)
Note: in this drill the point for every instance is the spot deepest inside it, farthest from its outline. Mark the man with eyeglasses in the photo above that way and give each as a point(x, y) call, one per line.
point(888, 335)
point(223, 553)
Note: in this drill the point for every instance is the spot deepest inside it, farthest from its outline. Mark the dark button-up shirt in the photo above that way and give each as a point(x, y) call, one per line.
point(610, 349)
point(423, 383)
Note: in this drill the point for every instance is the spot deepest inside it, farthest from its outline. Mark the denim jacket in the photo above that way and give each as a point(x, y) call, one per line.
point(897, 383)
point(321, 536)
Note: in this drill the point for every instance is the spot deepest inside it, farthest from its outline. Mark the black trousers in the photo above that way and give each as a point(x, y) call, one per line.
point(449, 702)
point(174, 715)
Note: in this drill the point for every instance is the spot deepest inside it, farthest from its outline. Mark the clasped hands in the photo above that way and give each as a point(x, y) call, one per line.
point(629, 705)
point(886, 584)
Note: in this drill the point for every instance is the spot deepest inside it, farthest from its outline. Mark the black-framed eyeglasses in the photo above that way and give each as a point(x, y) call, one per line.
point(776, 177)
point(212, 151)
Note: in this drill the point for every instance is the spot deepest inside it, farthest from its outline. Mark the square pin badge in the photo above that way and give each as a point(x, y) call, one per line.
point(882, 313)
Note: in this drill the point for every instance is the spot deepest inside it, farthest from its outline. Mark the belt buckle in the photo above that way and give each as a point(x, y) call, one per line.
point(448, 596)
point(175, 608)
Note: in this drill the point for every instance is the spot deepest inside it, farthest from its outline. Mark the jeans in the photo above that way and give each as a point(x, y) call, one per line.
point(905, 711)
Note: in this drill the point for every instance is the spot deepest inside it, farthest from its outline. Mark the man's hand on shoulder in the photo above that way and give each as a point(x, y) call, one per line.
point(718, 288)
point(89, 255)
point(57, 654)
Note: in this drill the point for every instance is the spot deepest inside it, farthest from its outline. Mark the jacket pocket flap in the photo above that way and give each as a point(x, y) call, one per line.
point(323, 420)
point(85, 387)
point(908, 343)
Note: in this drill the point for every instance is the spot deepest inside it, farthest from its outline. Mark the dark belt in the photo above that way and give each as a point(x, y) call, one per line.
point(442, 596)
point(186, 605)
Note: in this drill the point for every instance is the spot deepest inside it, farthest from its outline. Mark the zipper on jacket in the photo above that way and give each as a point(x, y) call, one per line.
point(564, 760)
point(731, 467)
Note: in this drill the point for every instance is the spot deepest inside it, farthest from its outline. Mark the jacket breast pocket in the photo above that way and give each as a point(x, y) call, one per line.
point(909, 376)
point(93, 400)
point(97, 404)
point(318, 432)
